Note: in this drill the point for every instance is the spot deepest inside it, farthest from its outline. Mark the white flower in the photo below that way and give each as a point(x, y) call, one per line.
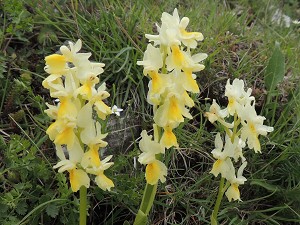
point(116, 110)
point(101, 179)
point(252, 127)
point(149, 148)
point(223, 164)
point(237, 97)
point(173, 32)
point(152, 59)
point(216, 114)
point(297, 22)
point(233, 191)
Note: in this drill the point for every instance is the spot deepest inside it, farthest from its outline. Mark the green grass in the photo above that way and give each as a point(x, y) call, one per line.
point(239, 39)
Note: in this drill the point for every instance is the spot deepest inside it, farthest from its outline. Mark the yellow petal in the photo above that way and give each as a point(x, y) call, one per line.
point(56, 64)
point(233, 192)
point(66, 109)
point(52, 130)
point(177, 57)
point(67, 137)
point(168, 138)
point(85, 90)
point(189, 83)
point(104, 182)
point(216, 167)
point(152, 173)
point(231, 105)
point(91, 158)
point(78, 178)
point(102, 109)
point(157, 83)
point(174, 112)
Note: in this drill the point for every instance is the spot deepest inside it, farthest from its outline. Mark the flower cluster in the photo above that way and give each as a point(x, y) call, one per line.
point(169, 64)
point(76, 135)
point(244, 130)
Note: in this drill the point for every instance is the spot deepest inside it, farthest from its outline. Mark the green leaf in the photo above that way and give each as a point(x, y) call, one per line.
point(126, 223)
point(52, 210)
point(21, 208)
point(265, 185)
point(140, 219)
point(275, 69)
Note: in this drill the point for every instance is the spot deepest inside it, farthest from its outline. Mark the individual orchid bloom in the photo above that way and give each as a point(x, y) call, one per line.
point(53, 83)
point(238, 150)
point(152, 60)
point(116, 110)
point(85, 69)
point(101, 108)
point(188, 81)
point(56, 64)
point(157, 86)
point(224, 167)
point(71, 53)
point(172, 111)
point(181, 60)
point(158, 82)
point(233, 192)
point(91, 158)
point(176, 59)
point(102, 181)
point(91, 136)
point(91, 133)
point(67, 109)
point(168, 32)
point(62, 132)
point(216, 114)
point(60, 89)
point(149, 148)
point(80, 61)
point(189, 39)
point(173, 31)
point(223, 164)
point(78, 177)
point(253, 127)
point(193, 62)
point(237, 97)
point(97, 68)
point(171, 21)
point(168, 138)
point(87, 90)
point(155, 171)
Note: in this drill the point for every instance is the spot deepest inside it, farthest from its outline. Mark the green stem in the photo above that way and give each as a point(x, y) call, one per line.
point(147, 202)
point(213, 218)
point(148, 198)
point(83, 205)
point(150, 190)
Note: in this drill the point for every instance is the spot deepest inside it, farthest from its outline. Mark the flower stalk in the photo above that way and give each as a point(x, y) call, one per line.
point(169, 65)
point(74, 83)
point(83, 205)
point(242, 132)
point(221, 192)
